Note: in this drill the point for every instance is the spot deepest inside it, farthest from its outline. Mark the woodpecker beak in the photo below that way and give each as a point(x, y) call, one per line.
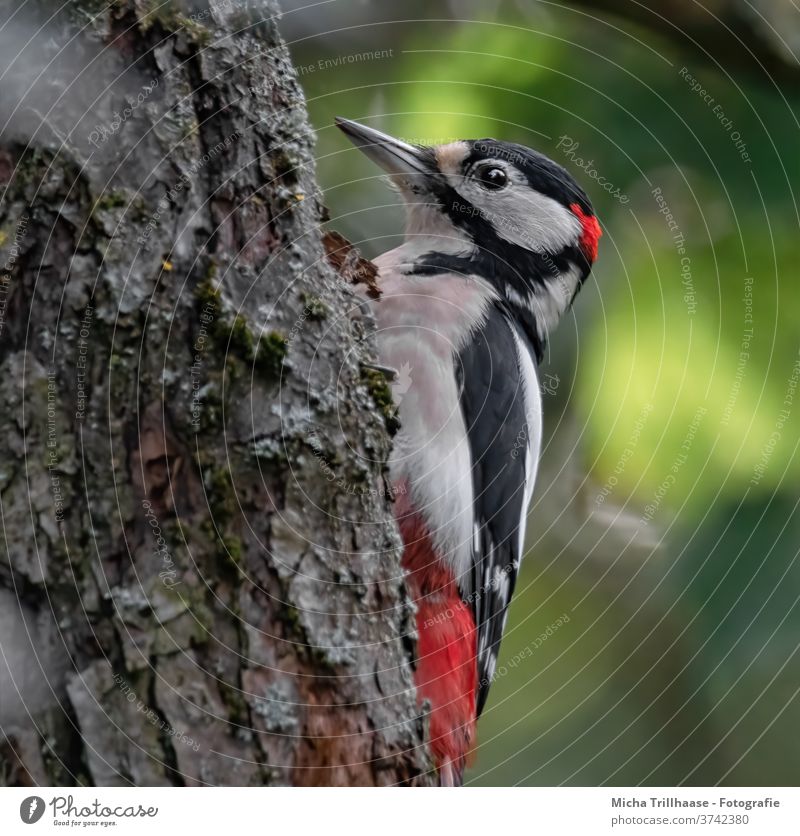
point(412, 164)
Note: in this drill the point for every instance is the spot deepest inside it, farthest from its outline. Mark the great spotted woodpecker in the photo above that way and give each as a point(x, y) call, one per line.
point(499, 239)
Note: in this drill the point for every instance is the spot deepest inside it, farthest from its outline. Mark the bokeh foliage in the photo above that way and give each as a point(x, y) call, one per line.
point(678, 663)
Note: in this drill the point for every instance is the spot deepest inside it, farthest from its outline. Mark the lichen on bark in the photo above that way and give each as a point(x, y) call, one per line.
point(191, 461)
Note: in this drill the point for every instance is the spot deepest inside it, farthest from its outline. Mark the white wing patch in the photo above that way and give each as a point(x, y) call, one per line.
point(533, 423)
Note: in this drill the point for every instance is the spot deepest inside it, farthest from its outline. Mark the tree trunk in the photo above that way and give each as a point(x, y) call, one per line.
point(195, 531)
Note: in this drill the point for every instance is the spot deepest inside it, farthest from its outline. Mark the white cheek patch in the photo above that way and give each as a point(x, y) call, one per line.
point(531, 220)
point(520, 214)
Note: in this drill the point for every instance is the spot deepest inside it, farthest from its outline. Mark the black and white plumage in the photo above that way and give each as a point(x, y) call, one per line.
point(499, 240)
point(501, 406)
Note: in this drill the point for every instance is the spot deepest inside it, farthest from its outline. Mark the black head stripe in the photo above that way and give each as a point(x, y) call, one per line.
point(506, 265)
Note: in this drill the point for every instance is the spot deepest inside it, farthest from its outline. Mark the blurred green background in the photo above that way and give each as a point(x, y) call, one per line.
point(664, 524)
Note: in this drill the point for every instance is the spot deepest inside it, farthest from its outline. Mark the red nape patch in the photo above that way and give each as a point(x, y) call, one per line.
point(591, 232)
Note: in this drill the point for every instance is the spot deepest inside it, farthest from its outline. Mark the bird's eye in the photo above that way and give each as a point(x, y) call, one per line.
point(492, 177)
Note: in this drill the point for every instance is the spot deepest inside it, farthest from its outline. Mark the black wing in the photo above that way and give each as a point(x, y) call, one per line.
point(493, 401)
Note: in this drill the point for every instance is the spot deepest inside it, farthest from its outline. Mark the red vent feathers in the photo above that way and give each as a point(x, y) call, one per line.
point(590, 234)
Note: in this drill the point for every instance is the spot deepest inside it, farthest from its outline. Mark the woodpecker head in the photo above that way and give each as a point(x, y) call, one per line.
point(497, 210)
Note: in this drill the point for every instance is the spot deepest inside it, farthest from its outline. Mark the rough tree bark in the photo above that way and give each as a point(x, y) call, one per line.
point(195, 531)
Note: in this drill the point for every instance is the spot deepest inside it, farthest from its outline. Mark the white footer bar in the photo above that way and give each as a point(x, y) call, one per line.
point(405, 812)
